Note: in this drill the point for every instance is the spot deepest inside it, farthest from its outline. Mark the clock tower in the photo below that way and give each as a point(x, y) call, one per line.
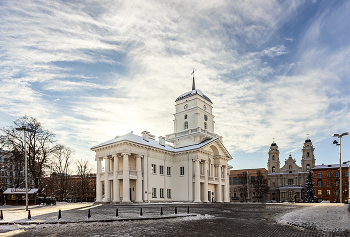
point(194, 121)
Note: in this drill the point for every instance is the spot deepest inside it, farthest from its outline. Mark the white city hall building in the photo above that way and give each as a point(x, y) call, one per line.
point(193, 169)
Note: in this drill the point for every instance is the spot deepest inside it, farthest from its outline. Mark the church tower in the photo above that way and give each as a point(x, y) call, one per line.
point(194, 121)
point(273, 165)
point(308, 157)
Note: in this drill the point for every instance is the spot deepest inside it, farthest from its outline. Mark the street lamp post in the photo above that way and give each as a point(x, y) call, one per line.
point(24, 129)
point(340, 174)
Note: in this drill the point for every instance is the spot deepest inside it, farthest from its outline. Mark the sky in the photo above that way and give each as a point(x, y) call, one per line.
point(92, 70)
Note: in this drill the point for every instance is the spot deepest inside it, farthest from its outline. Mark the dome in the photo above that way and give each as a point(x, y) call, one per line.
point(192, 93)
point(273, 144)
point(308, 140)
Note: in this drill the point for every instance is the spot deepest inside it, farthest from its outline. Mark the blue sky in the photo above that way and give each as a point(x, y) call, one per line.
point(91, 70)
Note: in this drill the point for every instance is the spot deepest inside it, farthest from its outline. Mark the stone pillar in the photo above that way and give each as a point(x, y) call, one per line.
point(126, 181)
point(98, 181)
point(139, 180)
point(226, 187)
point(205, 188)
point(219, 189)
point(197, 187)
point(107, 184)
point(115, 180)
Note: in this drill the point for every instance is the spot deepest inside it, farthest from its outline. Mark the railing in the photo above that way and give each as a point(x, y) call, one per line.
point(210, 178)
point(192, 130)
point(110, 173)
point(120, 172)
point(223, 180)
point(202, 176)
point(216, 179)
point(133, 172)
point(102, 176)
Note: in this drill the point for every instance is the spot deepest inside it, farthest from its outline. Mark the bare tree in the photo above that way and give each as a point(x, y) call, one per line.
point(84, 169)
point(260, 186)
point(62, 160)
point(40, 143)
point(244, 182)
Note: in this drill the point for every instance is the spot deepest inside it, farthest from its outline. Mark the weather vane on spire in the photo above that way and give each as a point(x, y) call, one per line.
point(307, 136)
point(193, 84)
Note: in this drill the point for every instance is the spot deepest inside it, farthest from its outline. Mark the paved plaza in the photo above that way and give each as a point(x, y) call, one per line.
point(239, 219)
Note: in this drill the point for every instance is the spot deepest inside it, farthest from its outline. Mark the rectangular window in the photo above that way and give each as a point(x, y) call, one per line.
point(252, 178)
point(328, 174)
point(336, 192)
point(168, 171)
point(319, 192)
point(154, 193)
point(319, 175)
point(153, 169)
point(328, 183)
point(161, 192)
point(229, 179)
point(283, 195)
point(290, 182)
point(240, 179)
point(273, 184)
point(328, 192)
point(234, 180)
point(337, 183)
point(161, 169)
point(168, 193)
point(337, 174)
point(319, 183)
point(346, 173)
point(182, 170)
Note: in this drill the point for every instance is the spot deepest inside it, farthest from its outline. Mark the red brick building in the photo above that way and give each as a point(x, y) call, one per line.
point(327, 180)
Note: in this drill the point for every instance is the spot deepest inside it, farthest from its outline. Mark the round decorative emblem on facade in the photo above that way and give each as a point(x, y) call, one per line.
point(186, 106)
point(205, 117)
point(204, 107)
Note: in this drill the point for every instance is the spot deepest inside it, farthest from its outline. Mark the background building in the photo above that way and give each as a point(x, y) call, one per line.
point(326, 182)
point(248, 185)
point(289, 181)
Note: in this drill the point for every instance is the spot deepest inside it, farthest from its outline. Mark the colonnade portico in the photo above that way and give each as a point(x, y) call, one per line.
point(216, 179)
point(113, 174)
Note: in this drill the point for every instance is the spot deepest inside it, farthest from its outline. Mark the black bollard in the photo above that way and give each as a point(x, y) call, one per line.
point(1, 216)
point(175, 210)
point(161, 211)
point(89, 214)
point(59, 214)
point(29, 216)
point(188, 209)
point(116, 213)
point(141, 212)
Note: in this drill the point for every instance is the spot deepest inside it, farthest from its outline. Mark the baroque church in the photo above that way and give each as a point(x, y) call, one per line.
point(288, 182)
point(188, 165)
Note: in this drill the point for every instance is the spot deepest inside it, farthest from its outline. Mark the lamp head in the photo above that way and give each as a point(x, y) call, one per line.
point(335, 135)
point(335, 142)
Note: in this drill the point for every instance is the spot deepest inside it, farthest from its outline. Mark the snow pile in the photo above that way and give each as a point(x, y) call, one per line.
point(325, 217)
point(197, 217)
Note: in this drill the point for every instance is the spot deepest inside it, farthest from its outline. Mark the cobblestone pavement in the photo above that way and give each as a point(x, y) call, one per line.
point(214, 220)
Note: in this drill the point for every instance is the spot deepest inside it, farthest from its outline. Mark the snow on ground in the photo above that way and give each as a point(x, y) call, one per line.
point(324, 216)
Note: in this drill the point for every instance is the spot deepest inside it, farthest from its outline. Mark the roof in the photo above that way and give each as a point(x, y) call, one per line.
point(20, 191)
point(153, 143)
point(330, 166)
point(192, 93)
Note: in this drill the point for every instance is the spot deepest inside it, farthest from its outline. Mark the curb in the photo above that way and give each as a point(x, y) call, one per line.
point(90, 221)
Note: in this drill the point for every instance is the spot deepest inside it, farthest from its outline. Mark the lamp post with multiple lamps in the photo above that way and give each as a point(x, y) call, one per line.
point(25, 129)
point(340, 174)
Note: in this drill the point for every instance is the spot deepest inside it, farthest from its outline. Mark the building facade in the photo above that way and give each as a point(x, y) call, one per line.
point(191, 167)
point(288, 182)
point(327, 180)
point(248, 185)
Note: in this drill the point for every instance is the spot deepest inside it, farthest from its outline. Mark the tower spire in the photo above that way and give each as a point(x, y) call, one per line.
point(193, 83)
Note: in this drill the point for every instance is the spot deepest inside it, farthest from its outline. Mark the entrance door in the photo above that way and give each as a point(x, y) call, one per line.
point(209, 196)
point(130, 194)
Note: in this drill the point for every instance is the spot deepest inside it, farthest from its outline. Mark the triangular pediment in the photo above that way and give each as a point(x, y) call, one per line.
point(217, 149)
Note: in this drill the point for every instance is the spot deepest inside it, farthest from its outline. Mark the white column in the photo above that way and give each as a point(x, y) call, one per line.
point(219, 189)
point(115, 180)
point(197, 187)
point(205, 188)
point(139, 180)
point(98, 181)
point(226, 187)
point(126, 181)
point(145, 178)
point(107, 184)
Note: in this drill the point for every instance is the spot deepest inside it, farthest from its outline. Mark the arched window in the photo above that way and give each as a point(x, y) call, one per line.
point(307, 154)
point(290, 167)
point(273, 157)
point(186, 125)
point(205, 125)
point(273, 169)
point(319, 183)
point(185, 116)
point(307, 167)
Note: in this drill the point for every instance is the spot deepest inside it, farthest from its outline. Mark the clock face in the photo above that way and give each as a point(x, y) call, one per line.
point(204, 107)
point(186, 106)
point(205, 117)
